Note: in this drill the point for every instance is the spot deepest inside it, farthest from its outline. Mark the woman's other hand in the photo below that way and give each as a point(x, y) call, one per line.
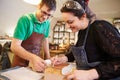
point(83, 75)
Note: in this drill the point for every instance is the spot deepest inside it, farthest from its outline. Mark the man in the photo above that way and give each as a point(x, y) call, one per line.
point(31, 32)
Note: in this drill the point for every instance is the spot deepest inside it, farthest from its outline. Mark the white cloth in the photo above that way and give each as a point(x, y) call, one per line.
point(22, 74)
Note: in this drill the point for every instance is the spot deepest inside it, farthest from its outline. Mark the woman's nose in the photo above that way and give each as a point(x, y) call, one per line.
point(67, 25)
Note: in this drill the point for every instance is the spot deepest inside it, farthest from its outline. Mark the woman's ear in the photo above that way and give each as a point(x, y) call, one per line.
point(83, 16)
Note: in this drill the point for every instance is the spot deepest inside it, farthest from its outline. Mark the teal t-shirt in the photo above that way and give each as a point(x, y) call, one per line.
point(27, 24)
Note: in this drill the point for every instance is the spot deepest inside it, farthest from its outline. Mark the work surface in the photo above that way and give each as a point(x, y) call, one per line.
point(25, 73)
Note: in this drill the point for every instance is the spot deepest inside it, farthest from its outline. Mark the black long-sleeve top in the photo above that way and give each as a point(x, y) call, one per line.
point(102, 44)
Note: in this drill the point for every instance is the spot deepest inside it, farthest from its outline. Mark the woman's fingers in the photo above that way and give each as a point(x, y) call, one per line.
point(70, 77)
point(54, 60)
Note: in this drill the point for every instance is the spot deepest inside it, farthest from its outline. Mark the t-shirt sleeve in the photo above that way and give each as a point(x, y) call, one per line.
point(21, 28)
point(70, 57)
point(108, 40)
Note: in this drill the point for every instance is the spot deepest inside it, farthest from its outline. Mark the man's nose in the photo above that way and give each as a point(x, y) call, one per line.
point(45, 17)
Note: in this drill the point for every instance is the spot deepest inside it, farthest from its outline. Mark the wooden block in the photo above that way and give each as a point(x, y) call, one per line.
point(54, 73)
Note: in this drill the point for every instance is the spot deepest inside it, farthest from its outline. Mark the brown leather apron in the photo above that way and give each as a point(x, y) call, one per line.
point(33, 44)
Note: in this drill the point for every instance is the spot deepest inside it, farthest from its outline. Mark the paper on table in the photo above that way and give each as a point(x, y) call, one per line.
point(22, 74)
point(68, 69)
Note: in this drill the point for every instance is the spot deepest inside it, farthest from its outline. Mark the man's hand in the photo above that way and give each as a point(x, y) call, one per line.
point(37, 64)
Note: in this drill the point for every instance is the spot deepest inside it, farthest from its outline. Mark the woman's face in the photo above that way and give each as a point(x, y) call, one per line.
point(73, 22)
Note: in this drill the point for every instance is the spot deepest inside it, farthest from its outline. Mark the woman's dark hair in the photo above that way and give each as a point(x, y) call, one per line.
point(49, 3)
point(79, 12)
point(73, 7)
point(89, 13)
point(82, 3)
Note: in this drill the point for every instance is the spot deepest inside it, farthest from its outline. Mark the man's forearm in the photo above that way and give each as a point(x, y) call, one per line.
point(46, 48)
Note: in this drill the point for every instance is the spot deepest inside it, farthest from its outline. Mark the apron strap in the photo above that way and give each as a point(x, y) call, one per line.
point(84, 42)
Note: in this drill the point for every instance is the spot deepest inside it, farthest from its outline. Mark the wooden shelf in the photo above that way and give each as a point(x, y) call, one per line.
point(61, 35)
point(57, 52)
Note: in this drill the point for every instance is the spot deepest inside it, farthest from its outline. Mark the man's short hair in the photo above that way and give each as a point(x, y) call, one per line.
point(49, 3)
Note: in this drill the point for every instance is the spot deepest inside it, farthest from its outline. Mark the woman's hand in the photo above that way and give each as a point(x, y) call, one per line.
point(83, 75)
point(59, 59)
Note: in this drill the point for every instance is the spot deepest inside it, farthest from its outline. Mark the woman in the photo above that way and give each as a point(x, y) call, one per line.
point(97, 51)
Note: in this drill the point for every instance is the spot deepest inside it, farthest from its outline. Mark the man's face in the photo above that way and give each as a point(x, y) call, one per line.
point(44, 13)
